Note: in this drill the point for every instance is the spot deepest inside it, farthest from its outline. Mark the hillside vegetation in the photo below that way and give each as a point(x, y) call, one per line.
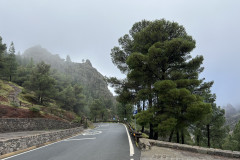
point(232, 116)
point(16, 103)
point(84, 74)
point(51, 84)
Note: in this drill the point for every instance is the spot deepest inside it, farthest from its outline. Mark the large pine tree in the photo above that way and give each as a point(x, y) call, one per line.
point(153, 54)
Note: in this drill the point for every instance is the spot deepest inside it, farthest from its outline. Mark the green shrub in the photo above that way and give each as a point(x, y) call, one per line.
point(77, 120)
point(14, 104)
point(30, 97)
point(35, 109)
point(24, 91)
point(144, 135)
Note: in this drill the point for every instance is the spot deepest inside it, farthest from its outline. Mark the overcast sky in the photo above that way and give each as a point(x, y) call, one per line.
point(89, 29)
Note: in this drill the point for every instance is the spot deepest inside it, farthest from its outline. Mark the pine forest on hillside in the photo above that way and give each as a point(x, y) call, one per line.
point(57, 82)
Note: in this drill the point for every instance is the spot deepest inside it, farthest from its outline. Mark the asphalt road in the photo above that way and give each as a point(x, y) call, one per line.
point(108, 141)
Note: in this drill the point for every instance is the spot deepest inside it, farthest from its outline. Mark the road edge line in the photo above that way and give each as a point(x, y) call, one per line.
point(130, 142)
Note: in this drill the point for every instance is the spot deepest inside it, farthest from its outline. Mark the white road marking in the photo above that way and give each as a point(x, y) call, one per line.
point(78, 139)
point(92, 133)
point(131, 159)
point(104, 125)
point(130, 143)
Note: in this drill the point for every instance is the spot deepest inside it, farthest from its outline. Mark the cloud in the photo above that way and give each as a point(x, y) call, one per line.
point(88, 29)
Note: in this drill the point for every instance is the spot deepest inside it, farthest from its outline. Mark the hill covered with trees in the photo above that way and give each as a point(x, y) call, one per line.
point(56, 82)
point(93, 83)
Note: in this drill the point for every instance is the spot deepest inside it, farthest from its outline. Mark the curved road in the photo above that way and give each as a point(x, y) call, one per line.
point(108, 141)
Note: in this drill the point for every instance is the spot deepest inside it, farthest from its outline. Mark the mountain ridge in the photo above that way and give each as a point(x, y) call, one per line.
point(92, 81)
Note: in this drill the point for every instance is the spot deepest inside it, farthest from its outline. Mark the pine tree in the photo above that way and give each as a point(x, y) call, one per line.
point(236, 135)
point(67, 98)
point(80, 99)
point(2, 63)
point(158, 51)
point(69, 67)
point(95, 109)
point(210, 131)
point(11, 63)
point(24, 71)
point(232, 142)
point(179, 105)
point(41, 82)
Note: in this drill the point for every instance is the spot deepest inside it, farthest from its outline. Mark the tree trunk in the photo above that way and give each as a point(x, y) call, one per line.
point(150, 102)
point(155, 136)
point(177, 136)
point(151, 131)
point(143, 110)
point(10, 78)
point(95, 119)
point(143, 105)
point(41, 100)
point(198, 140)
point(170, 137)
point(150, 95)
point(182, 134)
point(150, 106)
point(208, 135)
point(138, 107)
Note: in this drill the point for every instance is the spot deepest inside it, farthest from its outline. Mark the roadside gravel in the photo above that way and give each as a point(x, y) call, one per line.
point(160, 153)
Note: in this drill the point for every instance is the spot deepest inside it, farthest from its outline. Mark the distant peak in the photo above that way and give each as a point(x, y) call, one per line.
point(88, 62)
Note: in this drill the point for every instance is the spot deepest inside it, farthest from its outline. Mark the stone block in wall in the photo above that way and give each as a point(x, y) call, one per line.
point(144, 144)
point(200, 149)
point(236, 154)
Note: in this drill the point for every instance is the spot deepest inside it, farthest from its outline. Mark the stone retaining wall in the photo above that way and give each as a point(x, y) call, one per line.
point(12, 145)
point(31, 124)
point(145, 144)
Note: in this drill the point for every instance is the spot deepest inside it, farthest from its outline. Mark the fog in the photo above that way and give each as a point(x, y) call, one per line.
point(89, 29)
